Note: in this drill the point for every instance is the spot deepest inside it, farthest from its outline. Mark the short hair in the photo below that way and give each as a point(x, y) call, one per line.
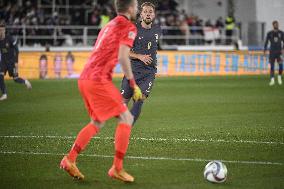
point(148, 4)
point(2, 24)
point(274, 22)
point(122, 5)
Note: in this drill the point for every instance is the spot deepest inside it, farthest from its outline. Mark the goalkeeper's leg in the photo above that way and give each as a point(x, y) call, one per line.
point(68, 162)
point(122, 136)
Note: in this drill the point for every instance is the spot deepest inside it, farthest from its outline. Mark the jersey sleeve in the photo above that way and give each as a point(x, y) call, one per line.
point(266, 41)
point(160, 31)
point(282, 39)
point(128, 36)
point(14, 47)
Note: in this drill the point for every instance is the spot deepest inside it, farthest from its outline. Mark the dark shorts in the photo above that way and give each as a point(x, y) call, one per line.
point(275, 57)
point(144, 81)
point(10, 68)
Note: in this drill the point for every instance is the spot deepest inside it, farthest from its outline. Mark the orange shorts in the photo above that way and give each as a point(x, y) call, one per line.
point(102, 100)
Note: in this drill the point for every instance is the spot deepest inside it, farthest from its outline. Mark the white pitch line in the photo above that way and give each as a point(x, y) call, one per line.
point(147, 158)
point(156, 139)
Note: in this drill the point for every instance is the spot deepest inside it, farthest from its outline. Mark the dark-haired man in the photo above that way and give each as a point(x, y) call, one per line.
point(143, 57)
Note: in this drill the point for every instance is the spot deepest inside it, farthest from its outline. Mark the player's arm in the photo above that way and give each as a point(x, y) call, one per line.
point(123, 58)
point(15, 50)
point(282, 43)
point(266, 43)
point(145, 58)
point(160, 38)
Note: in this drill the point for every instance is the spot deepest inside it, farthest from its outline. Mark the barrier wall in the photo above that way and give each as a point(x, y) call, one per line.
point(170, 63)
point(212, 63)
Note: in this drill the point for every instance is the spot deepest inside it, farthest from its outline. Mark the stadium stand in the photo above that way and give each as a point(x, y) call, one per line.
point(38, 23)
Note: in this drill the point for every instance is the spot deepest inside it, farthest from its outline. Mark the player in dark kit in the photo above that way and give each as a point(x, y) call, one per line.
point(276, 40)
point(143, 58)
point(9, 61)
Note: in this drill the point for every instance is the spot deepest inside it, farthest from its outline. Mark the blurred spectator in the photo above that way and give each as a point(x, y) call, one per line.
point(183, 27)
point(220, 26)
point(230, 25)
point(208, 31)
point(77, 18)
point(196, 31)
point(170, 31)
point(95, 17)
point(208, 23)
point(167, 5)
point(219, 23)
point(105, 17)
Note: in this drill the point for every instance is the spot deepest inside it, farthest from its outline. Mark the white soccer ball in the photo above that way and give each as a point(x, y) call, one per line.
point(215, 171)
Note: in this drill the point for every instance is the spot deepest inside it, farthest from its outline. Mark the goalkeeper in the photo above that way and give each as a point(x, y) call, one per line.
point(102, 99)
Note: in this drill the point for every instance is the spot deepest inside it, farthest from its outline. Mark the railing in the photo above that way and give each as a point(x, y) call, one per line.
point(86, 35)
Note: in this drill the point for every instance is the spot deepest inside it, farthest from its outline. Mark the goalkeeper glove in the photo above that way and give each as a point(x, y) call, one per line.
point(137, 94)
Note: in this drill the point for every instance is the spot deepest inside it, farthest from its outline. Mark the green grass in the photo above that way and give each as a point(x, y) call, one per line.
point(235, 109)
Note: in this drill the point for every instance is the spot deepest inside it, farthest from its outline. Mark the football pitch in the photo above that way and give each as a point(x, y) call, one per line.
point(186, 122)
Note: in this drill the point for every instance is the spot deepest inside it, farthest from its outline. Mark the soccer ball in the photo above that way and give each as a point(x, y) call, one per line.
point(215, 171)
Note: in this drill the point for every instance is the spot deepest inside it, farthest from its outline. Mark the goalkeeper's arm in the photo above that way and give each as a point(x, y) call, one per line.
point(123, 58)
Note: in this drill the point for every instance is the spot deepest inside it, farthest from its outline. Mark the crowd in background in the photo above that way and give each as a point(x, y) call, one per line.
point(98, 13)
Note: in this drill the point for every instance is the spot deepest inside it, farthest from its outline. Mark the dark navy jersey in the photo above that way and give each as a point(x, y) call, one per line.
point(9, 50)
point(146, 42)
point(276, 40)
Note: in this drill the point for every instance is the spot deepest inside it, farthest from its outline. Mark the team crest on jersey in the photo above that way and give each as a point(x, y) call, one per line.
point(131, 35)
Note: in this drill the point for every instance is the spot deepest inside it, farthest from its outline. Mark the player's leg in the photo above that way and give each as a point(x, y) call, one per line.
point(2, 87)
point(280, 74)
point(126, 91)
point(272, 64)
point(68, 163)
point(83, 138)
point(280, 62)
point(145, 85)
point(13, 72)
point(122, 136)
